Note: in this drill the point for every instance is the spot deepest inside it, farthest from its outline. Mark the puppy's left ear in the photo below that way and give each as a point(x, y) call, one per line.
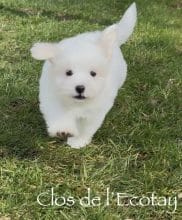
point(108, 39)
point(43, 51)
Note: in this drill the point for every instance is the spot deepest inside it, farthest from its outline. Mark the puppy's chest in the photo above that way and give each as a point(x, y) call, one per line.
point(83, 113)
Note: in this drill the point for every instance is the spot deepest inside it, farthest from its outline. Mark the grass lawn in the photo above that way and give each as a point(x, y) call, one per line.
point(137, 151)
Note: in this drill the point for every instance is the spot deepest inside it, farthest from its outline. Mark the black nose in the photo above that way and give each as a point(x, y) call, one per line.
point(80, 89)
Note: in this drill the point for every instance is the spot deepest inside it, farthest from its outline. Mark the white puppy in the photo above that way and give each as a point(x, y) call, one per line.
point(80, 79)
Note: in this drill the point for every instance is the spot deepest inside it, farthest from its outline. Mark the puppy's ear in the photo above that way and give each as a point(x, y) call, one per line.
point(109, 39)
point(127, 24)
point(43, 51)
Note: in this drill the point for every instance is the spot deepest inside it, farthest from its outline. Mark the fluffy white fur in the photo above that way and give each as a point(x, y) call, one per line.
point(79, 115)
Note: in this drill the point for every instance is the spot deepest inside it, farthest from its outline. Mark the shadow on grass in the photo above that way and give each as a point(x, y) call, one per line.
point(23, 129)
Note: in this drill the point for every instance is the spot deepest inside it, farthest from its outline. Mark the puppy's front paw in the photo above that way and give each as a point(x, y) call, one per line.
point(78, 142)
point(62, 133)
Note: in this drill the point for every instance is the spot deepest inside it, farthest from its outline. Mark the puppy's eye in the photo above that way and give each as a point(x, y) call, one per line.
point(69, 73)
point(92, 73)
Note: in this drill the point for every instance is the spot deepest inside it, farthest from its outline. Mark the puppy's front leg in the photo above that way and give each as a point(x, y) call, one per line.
point(62, 127)
point(88, 127)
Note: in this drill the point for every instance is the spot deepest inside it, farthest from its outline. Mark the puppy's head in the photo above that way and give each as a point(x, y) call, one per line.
point(78, 66)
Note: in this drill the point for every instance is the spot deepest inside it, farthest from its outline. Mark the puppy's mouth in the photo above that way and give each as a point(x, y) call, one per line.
point(79, 97)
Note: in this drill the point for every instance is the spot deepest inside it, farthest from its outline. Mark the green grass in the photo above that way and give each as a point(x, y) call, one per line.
point(137, 150)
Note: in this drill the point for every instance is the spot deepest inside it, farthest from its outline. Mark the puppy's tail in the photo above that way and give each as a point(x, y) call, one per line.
point(118, 34)
point(126, 25)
